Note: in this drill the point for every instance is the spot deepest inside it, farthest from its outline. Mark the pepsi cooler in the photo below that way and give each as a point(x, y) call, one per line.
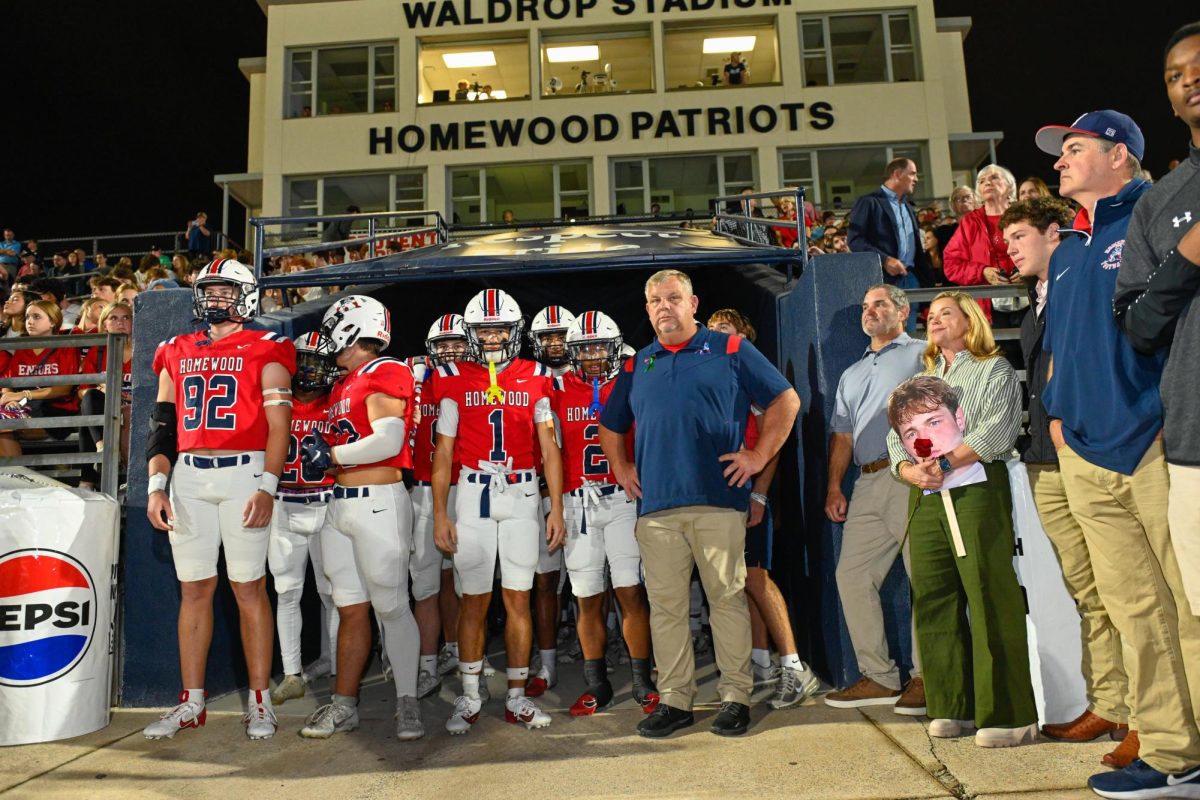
point(58, 547)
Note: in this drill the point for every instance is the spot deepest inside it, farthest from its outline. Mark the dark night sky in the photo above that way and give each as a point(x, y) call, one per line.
point(126, 114)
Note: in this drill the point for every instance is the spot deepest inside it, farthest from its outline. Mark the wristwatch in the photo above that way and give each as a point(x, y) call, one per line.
point(945, 465)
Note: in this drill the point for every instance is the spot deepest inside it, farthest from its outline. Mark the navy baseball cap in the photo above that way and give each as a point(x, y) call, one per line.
point(1108, 124)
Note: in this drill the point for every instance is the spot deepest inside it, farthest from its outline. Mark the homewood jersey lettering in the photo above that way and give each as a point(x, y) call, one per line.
point(347, 412)
point(311, 417)
point(218, 386)
point(496, 431)
point(583, 460)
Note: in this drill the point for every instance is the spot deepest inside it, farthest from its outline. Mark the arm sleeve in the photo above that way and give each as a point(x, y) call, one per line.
point(992, 429)
point(541, 411)
point(860, 220)
point(958, 260)
point(447, 421)
point(758, 377)
point(385, 441)
point(1151, 295)
point(617, 415)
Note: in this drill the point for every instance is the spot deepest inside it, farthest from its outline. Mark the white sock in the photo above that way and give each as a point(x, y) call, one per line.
point(429, 664)
point(195, 696)
point(792, 661)
point(345, 700)
point(550, 663)
point(516, 691)
point(470, 677)
point(760, 657)
point(260, 696)
point(517, 673)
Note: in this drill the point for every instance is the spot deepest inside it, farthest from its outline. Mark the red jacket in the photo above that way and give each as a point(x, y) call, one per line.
point(975, 246)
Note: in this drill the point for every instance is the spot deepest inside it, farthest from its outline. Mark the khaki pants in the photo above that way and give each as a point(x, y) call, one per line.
point(1124, 520)
point(714, 540)
point(1103, 663)
point(871, 536)
point(1183, 508)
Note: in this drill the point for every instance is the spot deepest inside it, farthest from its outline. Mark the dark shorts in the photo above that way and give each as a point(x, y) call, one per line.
point(760, 542)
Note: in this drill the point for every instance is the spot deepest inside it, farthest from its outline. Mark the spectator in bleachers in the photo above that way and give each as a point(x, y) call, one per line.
point(29, 266)
point(102, 264)
point(123, 272)
point(198, 237)
point(935, 255)
point(963, 201)
point(338, 230)
point(86, 264)
point(1032, 187)
point(124, 262)
point(181, 267)
point(59, 264)
point(147, 263)
point(114, 318)
point(42, 318)
point(104, 287)
point(126, 292)
point(89, 316)
point(56, 293)
point(976, 253)
point(13, 322)
point(787, 235)
point(32, 246)
point(10, 255)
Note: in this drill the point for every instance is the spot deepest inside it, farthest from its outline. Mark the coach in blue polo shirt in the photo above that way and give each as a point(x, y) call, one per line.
point(689, 393)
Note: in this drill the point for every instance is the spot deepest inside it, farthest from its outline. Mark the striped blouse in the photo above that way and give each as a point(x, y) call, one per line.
point(990, 397)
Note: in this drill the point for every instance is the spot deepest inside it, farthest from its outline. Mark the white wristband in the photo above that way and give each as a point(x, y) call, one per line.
point(269, 483)
point(157, 483)
point(759, 498)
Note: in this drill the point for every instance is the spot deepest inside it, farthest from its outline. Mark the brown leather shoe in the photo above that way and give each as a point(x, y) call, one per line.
point(1087, 727)
point(912, 702)
point(1125, 753)
point(865, 692)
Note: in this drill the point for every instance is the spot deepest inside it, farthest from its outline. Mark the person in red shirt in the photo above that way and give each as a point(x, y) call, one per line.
point(976, 253)
point(599, 517)
point(432, 575)
point(492, 415)
point(304, 495)
point(42, 318)
point(115, 318)
point(224, 406)
point(366, 540)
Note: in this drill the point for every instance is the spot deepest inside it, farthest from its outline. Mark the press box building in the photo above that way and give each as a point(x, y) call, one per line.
point(553, 108)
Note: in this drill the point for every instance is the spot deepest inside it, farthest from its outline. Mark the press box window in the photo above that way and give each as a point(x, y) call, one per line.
point(679, 184)
point(333, 194)
point(698, 56)
point(833, 177)
point(839, 49)
point(597, 63)
point(531, 191)
point(462, 71)
point(341, 80)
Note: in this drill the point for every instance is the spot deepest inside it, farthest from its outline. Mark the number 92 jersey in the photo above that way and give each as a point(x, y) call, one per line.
point(218, 386)
point(348, 418)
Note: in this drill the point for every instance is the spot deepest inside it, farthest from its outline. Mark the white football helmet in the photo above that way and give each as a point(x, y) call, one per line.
point(493, 308)
point(314, 373)
point(595, 337)
point(446, 341)
point(352, 318)
point(214, 309)
point(550, 320)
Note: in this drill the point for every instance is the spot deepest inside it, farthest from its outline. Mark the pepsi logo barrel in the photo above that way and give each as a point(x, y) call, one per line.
point(48, 610)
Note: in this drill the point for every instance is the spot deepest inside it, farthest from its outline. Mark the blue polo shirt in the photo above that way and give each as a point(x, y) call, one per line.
point(690, 409)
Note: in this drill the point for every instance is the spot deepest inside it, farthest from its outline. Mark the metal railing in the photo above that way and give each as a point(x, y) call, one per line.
point(117, 245)
point(753, 230)
point(109, 420)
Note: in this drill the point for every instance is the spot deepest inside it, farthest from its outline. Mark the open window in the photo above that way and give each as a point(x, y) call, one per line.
point(733, 54)
point(472, 70)
point(597, 62)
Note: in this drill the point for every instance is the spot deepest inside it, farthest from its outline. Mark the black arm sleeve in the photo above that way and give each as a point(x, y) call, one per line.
point(1148, 315)
point(162, 441)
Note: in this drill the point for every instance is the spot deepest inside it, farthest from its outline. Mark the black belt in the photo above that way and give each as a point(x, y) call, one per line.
point(350, 492)
point(314, 496)
point(215, 462)
point(519, 476)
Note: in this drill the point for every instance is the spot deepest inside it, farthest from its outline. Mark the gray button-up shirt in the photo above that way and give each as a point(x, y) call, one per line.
point(863, 390)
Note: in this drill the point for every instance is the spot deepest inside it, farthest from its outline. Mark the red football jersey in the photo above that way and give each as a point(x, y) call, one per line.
point(93, 361)
point(306, 418)
point(495, 432)
point(347, 412)
point(53, 361)
point(218, 386)
point(424, 438)
point(581, 454)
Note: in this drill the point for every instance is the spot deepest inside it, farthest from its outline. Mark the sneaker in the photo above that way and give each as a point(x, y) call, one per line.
point(733, 720)
point(408, 719)
point(466, 714)
point(488, 669)
point(664, 721)
point(949, 728)
point(865, 692)
point(1139, 779)
point(1008, 737)
point(260, 720)
point(290, 688)
point(912, 702)
point(184, 715)
point(316, 670)
point(764, 676)
point(522, 710)
point(329, 719)
point(428, 683)
point(447, 661)
point(795, 686)
point(540, 682)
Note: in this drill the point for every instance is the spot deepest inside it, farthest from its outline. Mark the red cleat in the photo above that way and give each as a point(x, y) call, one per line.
point(537, 686)
point(649, 703)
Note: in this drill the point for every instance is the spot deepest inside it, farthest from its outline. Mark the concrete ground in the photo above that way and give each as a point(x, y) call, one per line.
point(813, 751)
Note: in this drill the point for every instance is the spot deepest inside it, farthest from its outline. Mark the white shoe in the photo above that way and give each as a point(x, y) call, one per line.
point(447, 661)
point(764, 676)
point(329, 719)
point(184, 715)
point(317, 669)
point(427, 683)
point(466, 714)
point(1006, 737)
point(949, 728)
point(408, 719)
point(522, 710)
point(488, 669)
point(290, 688)
point(260, 720)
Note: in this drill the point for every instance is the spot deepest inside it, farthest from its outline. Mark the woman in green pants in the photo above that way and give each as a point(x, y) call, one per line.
point(954, 427)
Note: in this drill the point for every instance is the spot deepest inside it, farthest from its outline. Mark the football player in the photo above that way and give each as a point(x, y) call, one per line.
point(304, 493)
point(366, 540)
point(548, 339)
point(600, 519)
point(224, 412)
point(446, 343)
point(493, 414)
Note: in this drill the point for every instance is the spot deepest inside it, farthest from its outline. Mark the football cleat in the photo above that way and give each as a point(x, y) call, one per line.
point(290, 688)
point(428, 683)
point(466, 714)
point(185, 715)
point(260, 719)
point(593, 699)
point(520, 710)
point(447, 661)
point(408, 719)
point(329, 719)
point(539, 683)
point(644, 690)
point(320, 668)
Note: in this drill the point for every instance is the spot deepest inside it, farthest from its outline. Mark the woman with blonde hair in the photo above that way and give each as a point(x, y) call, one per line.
point(1033, 187)
point(968, 609)
point(89, 316)
point(977, 253)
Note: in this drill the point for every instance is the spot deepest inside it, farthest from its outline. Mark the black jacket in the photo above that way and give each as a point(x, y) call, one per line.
point(873, 230)
point(1037, 447)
